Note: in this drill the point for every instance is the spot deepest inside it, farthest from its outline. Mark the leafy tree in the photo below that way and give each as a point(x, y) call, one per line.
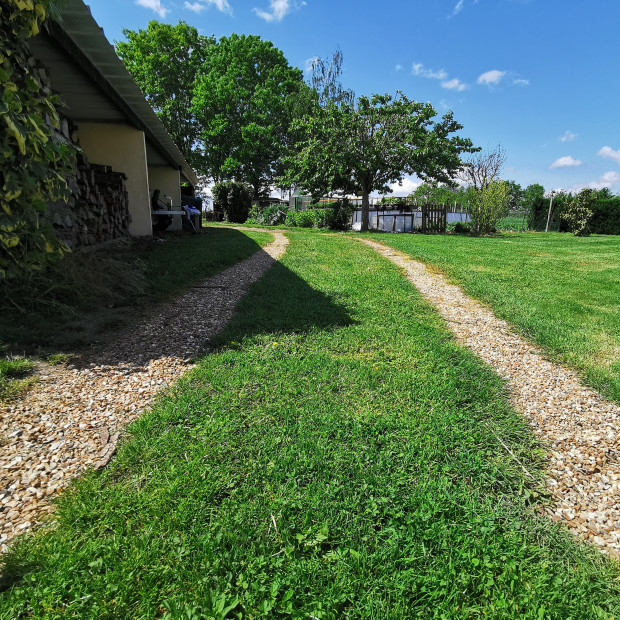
point(440, 194)
point(325, 81)
point(233, 199)
point(32, 164)
point(489, 205)
point(164, 60)
point(366, 147)
point(516, 195)
point(245, 99)
point(578, 212)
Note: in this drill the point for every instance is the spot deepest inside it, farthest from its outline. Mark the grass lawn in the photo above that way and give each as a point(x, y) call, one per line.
point(332, 457)
point(112, 287)
point(562, 292)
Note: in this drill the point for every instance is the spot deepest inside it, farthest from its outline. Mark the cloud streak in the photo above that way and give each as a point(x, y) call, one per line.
point(220, 5)
point(568, 161)
point(418, 69)
point(569, 136)
point(278, 10)
point(154, 5)
point(490, 78)
point(454, 84)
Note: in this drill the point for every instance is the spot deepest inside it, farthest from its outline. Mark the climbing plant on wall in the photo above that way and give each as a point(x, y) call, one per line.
point(32, 163)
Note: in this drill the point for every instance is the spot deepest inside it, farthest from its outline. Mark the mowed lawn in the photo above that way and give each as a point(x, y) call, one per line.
point(336, 456)
point(562, 292)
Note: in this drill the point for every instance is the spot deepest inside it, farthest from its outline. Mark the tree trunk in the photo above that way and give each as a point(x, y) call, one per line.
point(365, 211)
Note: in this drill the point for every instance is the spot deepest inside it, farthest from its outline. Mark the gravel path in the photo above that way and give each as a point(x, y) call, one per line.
point(72, 418)
point(580, 428)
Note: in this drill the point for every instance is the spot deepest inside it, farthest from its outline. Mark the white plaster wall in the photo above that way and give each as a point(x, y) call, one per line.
point(123, 148)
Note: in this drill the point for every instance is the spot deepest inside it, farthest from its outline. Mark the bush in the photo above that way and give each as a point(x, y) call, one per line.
point(233, 199)
point(578, 213)
point(606, 216)
point(460, 228)
point(488, 206)
point(334, 215)
point(301, 219)
point(269, 216)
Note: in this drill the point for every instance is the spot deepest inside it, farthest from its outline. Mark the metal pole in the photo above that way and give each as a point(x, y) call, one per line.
point(549, 212)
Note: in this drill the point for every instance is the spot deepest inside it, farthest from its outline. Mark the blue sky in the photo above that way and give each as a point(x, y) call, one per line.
point(541, 78)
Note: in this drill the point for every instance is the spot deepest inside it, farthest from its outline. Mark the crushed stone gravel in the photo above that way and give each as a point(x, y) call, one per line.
point(580, 428)
point(71, 420)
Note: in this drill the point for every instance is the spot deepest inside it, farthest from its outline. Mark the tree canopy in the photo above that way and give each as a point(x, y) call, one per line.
point(164, 60)
point(364, 147)
point(245, 100)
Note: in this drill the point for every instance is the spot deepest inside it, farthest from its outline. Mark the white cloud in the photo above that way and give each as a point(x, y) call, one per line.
point(607, 151)
point(154, 5)
point(606, 180)
point(405, 187)
point(398, 68)
point(454, 84)
point(221, 5)
point(491, 77)
point(520, 82)
point(567, 161)
point(418, 69)
point(568, 136)
point(278, 9)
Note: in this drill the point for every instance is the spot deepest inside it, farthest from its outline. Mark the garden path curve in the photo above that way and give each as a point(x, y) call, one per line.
point(72, 418)
point(580, 429)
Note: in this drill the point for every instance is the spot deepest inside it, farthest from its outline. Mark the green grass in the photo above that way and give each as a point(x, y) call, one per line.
point(12, 381)
point(335, 456)
point(95, 292)
point(558, 290)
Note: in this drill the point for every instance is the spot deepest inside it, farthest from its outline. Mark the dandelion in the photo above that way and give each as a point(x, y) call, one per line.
point(275, 344)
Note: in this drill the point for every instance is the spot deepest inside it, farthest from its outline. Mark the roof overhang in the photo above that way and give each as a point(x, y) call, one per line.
point(92, 80)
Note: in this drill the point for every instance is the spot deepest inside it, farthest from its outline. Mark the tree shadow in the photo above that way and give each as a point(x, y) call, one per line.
point(282, 302)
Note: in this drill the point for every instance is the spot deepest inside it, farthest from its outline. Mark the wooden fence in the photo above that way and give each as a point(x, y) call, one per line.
point(434, 218)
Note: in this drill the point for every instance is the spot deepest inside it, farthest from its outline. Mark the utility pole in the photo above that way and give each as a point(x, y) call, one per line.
point(549, 212)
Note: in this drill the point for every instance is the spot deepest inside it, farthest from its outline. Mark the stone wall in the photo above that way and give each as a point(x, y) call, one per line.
point(98, 209)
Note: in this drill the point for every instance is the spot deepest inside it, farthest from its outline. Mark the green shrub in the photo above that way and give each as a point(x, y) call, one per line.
point(335, 215)
point(606, 216)
point(489, 205)
point(233, 199)
point(268, 216)
point(301, 219)
point(397, 202)
point(578, 213)
point(460, 228)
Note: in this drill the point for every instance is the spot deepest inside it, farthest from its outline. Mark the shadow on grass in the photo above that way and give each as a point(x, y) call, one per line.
point(93, 294)
point(282, 302)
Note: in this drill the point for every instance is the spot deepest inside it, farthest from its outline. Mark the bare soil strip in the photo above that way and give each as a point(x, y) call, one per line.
point(71, 420)
point(579, 427)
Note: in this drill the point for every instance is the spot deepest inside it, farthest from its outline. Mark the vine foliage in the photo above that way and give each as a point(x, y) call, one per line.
point(32, 162)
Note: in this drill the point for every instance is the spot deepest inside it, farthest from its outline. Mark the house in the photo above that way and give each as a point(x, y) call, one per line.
point(126, 151)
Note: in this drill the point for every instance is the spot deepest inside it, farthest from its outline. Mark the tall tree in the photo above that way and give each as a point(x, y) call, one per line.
point(366, 147)
point(245, 99)
point(483, 168)
point(164, 60)
point(325, 80)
